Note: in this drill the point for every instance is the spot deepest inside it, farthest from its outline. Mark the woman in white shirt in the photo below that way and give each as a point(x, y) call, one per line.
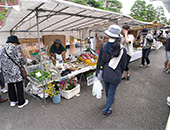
point(128, 44)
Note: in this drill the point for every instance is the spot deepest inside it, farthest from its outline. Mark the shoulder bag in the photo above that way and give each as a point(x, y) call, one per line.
point(22, 69)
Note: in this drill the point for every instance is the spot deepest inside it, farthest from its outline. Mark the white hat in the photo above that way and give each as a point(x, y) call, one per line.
point(113, 31)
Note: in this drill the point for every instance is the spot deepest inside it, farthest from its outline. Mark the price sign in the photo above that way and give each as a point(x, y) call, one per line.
point(90, 80)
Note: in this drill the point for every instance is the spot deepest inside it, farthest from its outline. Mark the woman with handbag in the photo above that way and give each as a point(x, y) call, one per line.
point(111, 62)
point(12, 60)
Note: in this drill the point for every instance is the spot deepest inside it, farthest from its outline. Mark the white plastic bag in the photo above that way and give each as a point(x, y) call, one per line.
point(97, 88)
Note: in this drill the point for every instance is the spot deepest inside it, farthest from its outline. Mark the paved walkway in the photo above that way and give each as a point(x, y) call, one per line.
point(140, 105)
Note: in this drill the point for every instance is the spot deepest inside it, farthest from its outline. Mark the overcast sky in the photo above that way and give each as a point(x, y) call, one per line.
point(127, 4)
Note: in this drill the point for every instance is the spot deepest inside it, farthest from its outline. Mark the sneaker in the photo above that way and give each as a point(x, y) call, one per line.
point(107, 114)
point(147, 65)
point(168, 71)
point(165, 69)
point(26, 102)
point(4, 90)
point(3, 100)
point(141, 66)
point(12, 104)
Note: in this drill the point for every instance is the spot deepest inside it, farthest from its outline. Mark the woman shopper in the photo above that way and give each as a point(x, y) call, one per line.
point(128, 44)
point(147, 40)
point(1, 80)
point(112, 61)
point(11, 71)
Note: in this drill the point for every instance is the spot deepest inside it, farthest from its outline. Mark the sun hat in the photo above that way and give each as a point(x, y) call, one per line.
point(144, 31)
point(113, 31)
point(57, 41)
point(12, 39)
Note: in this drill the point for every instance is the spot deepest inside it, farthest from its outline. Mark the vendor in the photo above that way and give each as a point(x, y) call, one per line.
point(57, 48)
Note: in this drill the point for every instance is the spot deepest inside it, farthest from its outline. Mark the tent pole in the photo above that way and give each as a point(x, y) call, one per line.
point(11, 32)
point(38, 33)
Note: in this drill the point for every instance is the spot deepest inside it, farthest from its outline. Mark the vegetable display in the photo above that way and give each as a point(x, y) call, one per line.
point(37, 74)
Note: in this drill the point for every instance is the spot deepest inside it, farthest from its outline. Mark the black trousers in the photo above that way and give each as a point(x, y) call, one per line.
point(13, 96)
point(127, 64)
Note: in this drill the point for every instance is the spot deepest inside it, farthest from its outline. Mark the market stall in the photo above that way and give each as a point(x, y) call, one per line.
point(44, 20)
point(37, 19)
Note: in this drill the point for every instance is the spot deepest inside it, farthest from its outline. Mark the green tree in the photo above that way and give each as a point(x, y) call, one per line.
point(142, 12)
point(110, 5)
point(150, 13)
point(138, 10)
point(83, 2)
point(9, 1)
point(113, 5)
point(94, 3)
point(160, 15)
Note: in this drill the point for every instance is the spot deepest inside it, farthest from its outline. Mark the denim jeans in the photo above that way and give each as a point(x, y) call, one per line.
point(145, 55)
point(110, 90)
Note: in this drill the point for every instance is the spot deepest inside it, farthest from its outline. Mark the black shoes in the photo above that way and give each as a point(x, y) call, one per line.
point(128, 77)
point(123, 78)
point(107, 114)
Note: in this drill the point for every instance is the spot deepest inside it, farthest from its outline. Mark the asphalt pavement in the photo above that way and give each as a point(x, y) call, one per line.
point(140, 105)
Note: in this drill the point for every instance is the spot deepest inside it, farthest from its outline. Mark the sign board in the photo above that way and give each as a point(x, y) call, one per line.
point(90, 79)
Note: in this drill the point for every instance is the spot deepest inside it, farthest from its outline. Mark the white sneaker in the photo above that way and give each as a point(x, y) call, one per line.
point(165, 69)
point(26, 102)
point(147, 65)
point(4, 90)
point(141, 66)
point(12, 104)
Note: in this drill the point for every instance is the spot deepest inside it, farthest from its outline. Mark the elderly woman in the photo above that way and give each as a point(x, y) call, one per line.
point(112, 60)
point(11, 71)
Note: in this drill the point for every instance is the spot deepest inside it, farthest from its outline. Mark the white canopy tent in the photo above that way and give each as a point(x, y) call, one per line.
point(36, 18)
point(58, 17)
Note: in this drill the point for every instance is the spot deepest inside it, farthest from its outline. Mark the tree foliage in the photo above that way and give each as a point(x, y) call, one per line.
point(150, 13)
point(2, 14)
point(141, 11)
point(114, 5)
point(138, 10)
point(160, 16)
point(8, 1)
point(110, 5)
point(83, 2)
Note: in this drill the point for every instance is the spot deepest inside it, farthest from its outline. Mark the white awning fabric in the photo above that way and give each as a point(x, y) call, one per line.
point(60, 17)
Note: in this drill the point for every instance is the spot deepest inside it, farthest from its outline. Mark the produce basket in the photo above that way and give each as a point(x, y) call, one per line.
point(36, 81)
point(32, 68)
point(91, 63)
point(80, 58)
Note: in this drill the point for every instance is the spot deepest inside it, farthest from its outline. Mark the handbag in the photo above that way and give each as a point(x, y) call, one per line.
point(21, 68)
point(100, 74)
